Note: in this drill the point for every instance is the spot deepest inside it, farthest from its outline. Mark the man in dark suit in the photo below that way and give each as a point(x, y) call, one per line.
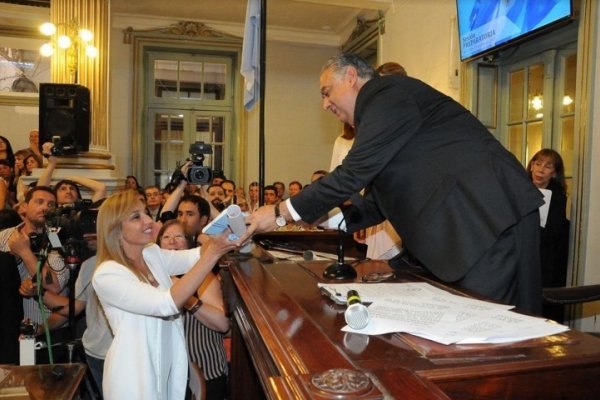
point(461, 202)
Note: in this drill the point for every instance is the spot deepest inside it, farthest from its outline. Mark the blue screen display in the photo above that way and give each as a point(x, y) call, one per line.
point(484, 25)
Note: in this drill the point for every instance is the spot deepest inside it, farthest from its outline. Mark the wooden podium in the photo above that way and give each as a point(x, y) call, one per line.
point(58, 381)
point(286, 339)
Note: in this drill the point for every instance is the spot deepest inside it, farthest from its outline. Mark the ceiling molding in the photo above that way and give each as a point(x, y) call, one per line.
point(383, 5)
point(124, 21)
point(23, 17)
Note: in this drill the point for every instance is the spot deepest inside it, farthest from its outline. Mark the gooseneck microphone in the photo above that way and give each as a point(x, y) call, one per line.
point(357, 314)
point(339, 269)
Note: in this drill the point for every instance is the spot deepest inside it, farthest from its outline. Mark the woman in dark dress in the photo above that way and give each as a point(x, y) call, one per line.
point(546, 170)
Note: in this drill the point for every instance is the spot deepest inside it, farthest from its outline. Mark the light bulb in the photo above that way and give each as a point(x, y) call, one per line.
point(85, 35)
point(48, 28)
point(64, 42)
point(47, 49)
point(537, 103)
point(91, 51)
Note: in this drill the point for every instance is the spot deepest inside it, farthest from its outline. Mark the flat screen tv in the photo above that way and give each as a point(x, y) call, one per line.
point(486, 26)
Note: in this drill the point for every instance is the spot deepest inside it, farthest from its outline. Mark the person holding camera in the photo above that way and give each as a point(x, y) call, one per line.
point(67, 190)
point(16, 241)
point(147, 358)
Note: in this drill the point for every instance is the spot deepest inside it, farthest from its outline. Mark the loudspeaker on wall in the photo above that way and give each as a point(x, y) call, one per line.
point(65, 117)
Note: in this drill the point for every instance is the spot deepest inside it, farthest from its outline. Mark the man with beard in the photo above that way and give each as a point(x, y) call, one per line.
point(216, 196)
point(15, 240)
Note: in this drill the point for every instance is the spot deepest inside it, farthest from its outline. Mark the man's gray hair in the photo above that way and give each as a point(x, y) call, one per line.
point(340, 62)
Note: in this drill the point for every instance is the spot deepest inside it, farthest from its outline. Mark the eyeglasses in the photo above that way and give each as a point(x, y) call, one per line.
point(174, 237)
point(375, 277)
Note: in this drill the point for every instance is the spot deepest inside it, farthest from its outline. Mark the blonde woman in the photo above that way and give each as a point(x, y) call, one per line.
point(147, 358)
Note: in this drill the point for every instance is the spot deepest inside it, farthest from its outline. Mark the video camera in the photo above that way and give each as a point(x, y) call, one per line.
point(74, 220)
point(68, 223)
point(63, 146)
point(198, 173)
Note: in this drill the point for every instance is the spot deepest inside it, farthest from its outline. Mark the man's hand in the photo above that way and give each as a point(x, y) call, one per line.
point(28, 288)
point(262, 220)
point(360, 236)
point(19, 244)
point(47, 152)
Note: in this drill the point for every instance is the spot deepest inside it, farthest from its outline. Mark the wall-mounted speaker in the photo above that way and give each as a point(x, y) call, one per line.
point(65, 117)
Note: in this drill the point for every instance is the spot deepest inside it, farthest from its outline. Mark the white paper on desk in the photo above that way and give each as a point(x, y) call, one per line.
point(545, 207)
point(369, 292)
point(509, 327)
point(425, 311)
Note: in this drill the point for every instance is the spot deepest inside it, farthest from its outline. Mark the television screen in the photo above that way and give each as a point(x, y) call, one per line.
point(487, 25)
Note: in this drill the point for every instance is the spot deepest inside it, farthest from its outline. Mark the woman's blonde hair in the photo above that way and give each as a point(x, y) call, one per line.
point(111, 215)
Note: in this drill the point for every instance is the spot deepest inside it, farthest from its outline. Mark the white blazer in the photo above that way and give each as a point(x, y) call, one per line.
point(147, 358)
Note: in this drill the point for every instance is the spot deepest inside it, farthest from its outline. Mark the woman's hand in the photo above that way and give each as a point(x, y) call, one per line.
point(216, 246)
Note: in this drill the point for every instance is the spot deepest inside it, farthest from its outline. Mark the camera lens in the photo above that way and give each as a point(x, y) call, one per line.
point(199, 175)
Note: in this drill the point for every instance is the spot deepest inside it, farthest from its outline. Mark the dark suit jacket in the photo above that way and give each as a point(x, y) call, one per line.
point(11, 309)
point(554, 240)
point(446, 184)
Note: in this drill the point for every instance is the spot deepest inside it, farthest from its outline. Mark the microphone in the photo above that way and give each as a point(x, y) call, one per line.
point(340, 270)
point(357, 314)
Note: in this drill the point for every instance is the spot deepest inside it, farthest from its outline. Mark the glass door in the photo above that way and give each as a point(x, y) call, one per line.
point(174, 131)
point(539, 96)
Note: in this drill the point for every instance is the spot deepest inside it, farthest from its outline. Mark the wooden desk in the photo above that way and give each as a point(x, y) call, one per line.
point(324, 241)
point(39, 381)
point(285, 332)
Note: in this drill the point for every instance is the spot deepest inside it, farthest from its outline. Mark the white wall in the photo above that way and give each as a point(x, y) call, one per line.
point(299, 134)
point(417, 35)
point(16, 122)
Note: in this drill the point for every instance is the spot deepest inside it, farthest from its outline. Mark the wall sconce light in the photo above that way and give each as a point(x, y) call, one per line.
point(70, 38)
point(567, 100)
point(537, 102)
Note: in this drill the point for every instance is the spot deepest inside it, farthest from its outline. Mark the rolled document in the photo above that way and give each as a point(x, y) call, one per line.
point(233, 218)
point(237, 224)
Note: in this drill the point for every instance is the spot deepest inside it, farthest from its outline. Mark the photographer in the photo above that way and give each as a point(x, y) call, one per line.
point(191, 174)
point(67, 190)
point(54, 276)
point(193, 211)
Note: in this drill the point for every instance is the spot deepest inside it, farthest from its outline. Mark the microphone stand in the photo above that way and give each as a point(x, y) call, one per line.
point(340, 270)
point(73, 263)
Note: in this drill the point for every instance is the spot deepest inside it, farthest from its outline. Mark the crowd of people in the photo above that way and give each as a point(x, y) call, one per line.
point(149, 282)
point(173, 218)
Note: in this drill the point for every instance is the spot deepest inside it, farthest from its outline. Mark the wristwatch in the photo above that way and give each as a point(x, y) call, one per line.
point(279, 219)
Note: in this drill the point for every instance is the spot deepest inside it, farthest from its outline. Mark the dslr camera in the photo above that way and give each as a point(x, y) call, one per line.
point(63, 146)
point(198, 173)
